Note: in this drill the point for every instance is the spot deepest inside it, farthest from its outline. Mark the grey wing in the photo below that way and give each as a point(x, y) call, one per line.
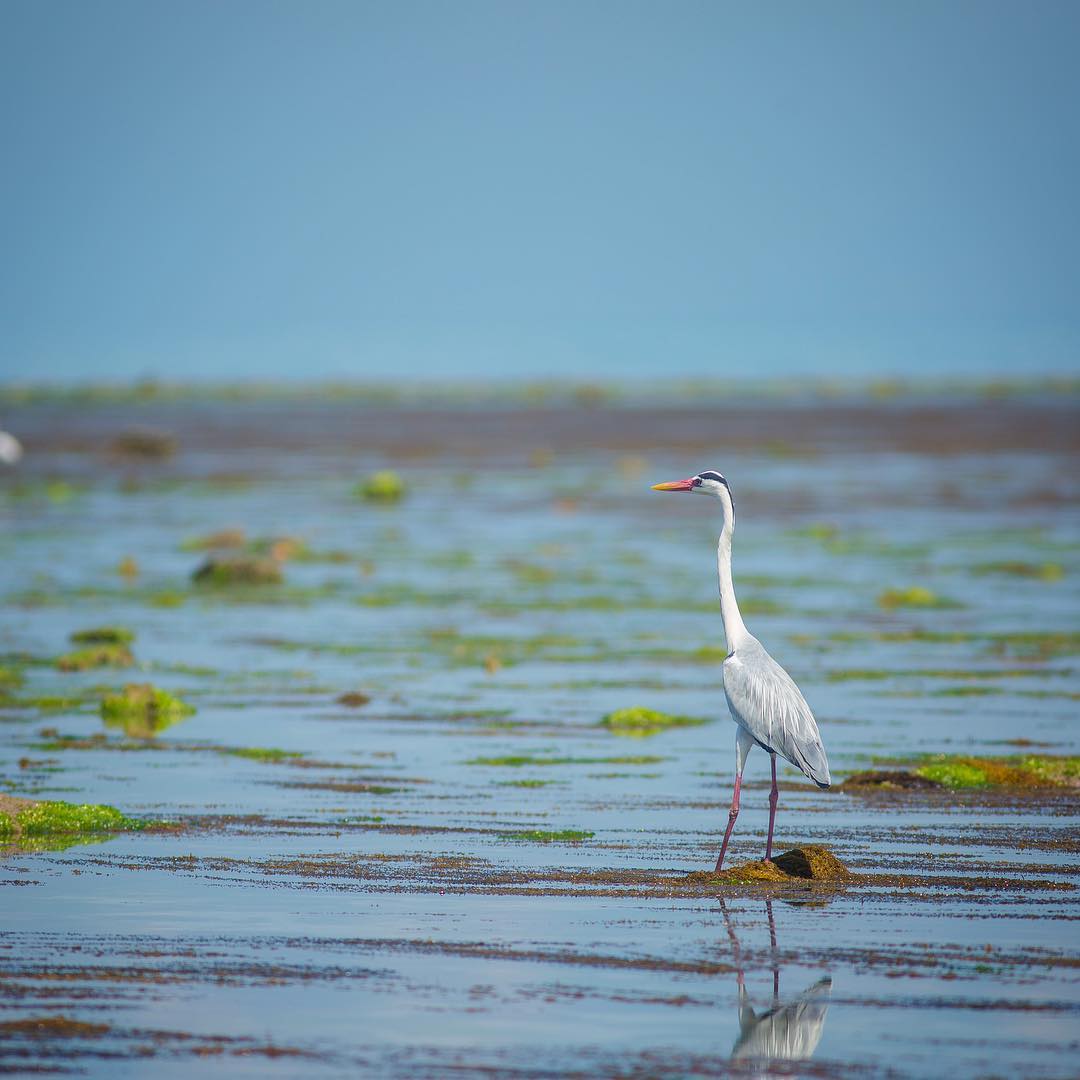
point(764, 699)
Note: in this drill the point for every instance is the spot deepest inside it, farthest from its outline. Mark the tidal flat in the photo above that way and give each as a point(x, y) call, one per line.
point(374, 816)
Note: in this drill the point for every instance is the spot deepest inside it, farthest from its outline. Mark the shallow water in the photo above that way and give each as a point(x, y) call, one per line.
point(386, 901)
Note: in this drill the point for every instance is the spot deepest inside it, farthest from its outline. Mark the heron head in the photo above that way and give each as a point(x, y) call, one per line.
point(705, 483)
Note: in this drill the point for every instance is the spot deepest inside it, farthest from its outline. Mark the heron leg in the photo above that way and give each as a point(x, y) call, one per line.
point(774, 797)
point(733, 813)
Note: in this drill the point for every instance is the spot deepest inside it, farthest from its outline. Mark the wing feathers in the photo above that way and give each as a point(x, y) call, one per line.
point(764, 699)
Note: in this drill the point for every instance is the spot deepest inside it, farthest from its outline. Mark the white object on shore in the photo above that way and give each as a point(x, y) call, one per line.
point(10, 448)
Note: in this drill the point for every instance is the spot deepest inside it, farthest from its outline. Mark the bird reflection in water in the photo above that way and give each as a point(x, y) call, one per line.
point(785, 1032)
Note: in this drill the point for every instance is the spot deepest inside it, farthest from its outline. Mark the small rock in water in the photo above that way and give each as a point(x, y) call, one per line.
point(354, 699)
point(813, 863)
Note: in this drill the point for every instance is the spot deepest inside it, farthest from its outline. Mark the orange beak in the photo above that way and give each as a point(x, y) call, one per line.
point(675, 485)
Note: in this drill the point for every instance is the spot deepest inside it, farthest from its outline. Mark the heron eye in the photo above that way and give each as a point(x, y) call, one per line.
point(696, 481)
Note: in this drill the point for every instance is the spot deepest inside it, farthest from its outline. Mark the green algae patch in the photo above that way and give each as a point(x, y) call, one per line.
point(549, 836)
point(25, 819)
point(955, 774)
point(237, 570)
point(1029, 771)
point(811, 862)
point(385, 486)
point(526, 783)
point(103, 635)
point(142, 710)
point(639, 722)
point(262, 753)
point(517, 761)
point(961, 772)
point(96, 656)
point(915, 596)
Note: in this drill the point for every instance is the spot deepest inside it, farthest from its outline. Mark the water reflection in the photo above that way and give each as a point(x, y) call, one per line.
point(787, 1031)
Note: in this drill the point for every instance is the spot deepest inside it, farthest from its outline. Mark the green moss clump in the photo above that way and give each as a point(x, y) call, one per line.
point(103, 635)
point(383, 486)
point(225, 571)
point(143, 710)
point(95, 656)
point(23, 818)
point(913, 596)
point(955, 774)
point(639, 722)
point(1054, 770)
point(1030, 771)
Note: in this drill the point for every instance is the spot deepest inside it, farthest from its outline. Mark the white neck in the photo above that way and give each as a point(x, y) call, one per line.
point(734, 628)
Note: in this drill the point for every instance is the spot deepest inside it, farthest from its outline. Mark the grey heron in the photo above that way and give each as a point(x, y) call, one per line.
point(786, 1032)
point(768, 708)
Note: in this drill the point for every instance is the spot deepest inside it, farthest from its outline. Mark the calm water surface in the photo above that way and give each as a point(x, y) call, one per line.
point(388, 902)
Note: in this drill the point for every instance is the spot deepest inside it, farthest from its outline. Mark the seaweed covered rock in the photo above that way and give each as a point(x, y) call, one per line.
point(143, 710)
point(94, 656)
point(810, 862)
point(384, 486)
point(639, 721)
point(228, 570)
point(28, 819)
point(959, 772)
point(103, 635)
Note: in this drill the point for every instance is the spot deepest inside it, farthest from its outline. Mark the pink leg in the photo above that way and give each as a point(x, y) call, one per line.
point(774, 796)
point(733, 813)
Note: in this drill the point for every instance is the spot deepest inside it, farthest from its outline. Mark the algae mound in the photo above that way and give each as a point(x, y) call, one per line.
point(218, 571)
point(640, 722)
point(103, 635)
point(382, 486)
point(95, 656)
point(143, 710)
point(26, 819)
point(811, 862)
point(915, 596)
point(955, 772)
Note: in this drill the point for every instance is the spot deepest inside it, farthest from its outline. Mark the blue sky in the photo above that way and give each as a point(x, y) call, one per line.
point(591, 189)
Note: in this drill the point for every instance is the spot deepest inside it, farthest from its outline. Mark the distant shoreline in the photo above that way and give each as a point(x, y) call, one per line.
point(529, 393)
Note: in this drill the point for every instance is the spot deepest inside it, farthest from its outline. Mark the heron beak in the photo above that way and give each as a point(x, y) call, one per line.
point(675, 485)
